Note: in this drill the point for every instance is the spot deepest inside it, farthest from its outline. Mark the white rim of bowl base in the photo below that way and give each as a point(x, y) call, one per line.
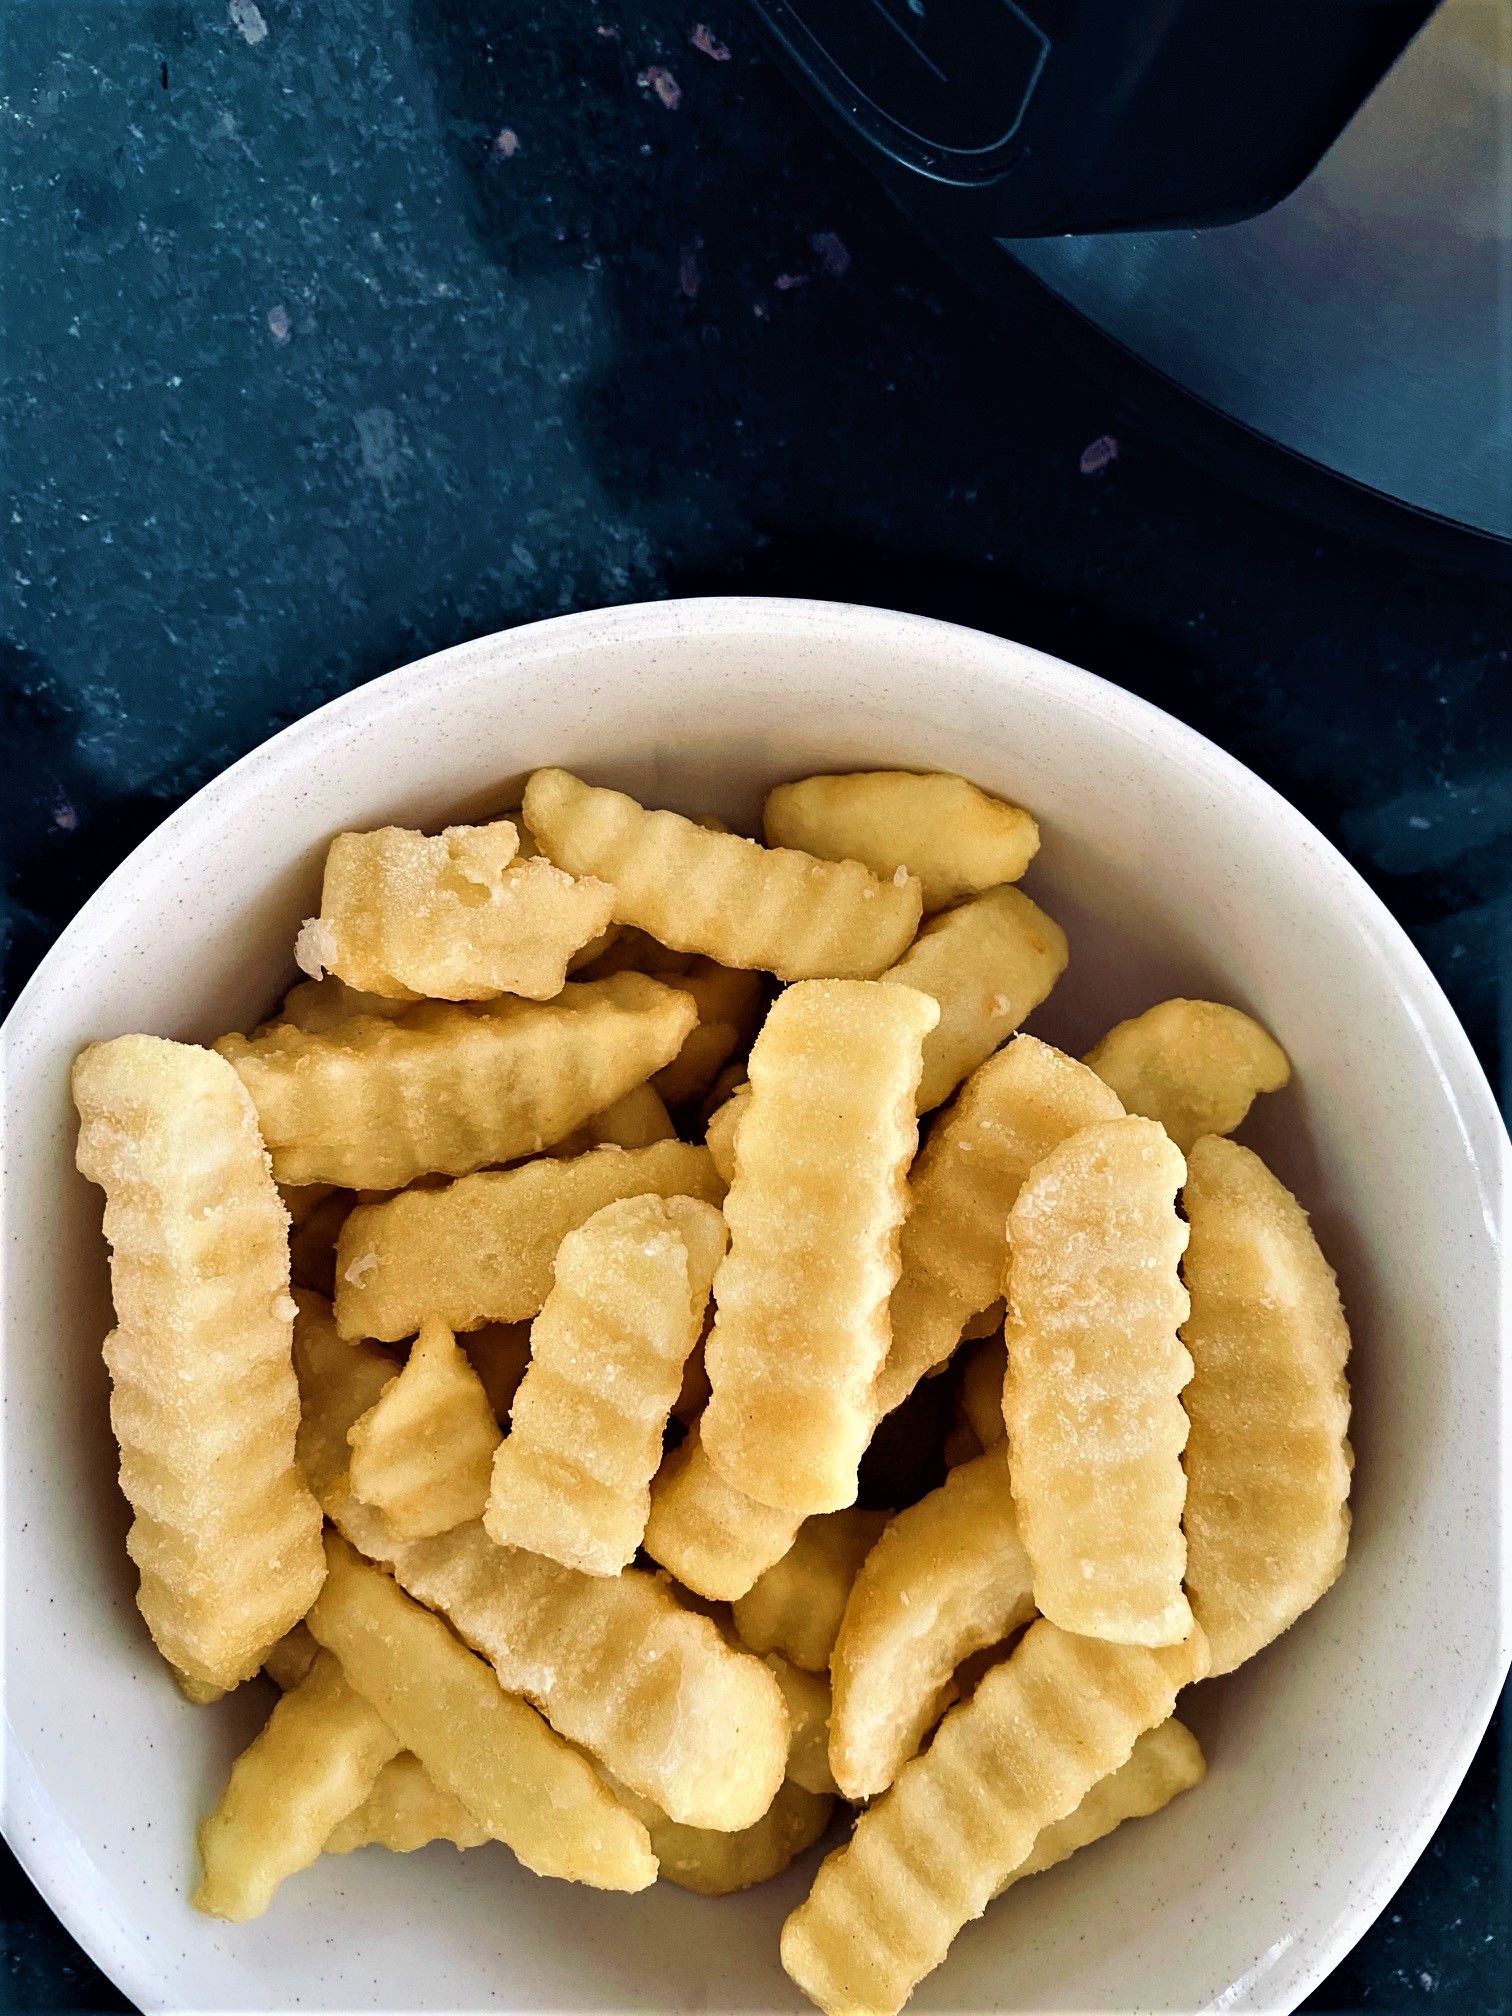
point(49, 1852)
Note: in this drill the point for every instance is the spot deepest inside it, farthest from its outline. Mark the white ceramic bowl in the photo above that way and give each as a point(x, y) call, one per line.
point(1333, 1755)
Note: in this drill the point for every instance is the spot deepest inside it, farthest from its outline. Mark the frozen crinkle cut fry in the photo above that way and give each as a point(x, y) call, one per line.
point(317, 1006)
point(225, 1533)
point(820, 1190)
point(948, 1577)
point(1039, 1732)
point(730, 1002)
point(1268, 1461)
point(616, 1664)
point(489, 1749)
point(1165, 1761)
point(957, 838)
point(715, 1864)
point(796, 1606)
point(424, 1451)
point(1095, 1373)
point(572, 1479)
point(338, 1383)
point(770, 909)
point(808, 1704)
point(713, 1538)
point(987, 965)
point(1007, 1116)
point(405, 1810)
point(1195, 1066)
point(453, 918)
point(316, 1760)
point(449, 1087)
point(636, 1121)
point(482, 1249)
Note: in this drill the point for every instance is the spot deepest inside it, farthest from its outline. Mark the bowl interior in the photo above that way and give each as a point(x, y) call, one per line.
point(1173, 871)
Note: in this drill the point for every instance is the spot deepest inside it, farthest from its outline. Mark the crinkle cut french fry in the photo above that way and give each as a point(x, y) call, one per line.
point(1195, 1066)
point(317, 1006)
point(616, 1664)
point(948, 1577)
point(713, 1538)
point(481, 1250)
point(715, 1864)
point(315, 1761)
point(406, 1810)
point(1268, 1460)
point(981, 1390)
point(1041, 1729)
point(956, 838)
point(636, 1121)
point(453, 918)
point(487, 1748)
point(1008, 1115)
point(770, 909)
point(1095, 1371)
point(499, 1353)
point(204, 1404)
point(572, 1479)
point(987, 964)
point(796, 1606)
point(424, 1451)
point(800, 1325)
point(1166, 1760)
point(450, 1087)
point(808, 1704)
point(729, 1011)
point(338, 1383)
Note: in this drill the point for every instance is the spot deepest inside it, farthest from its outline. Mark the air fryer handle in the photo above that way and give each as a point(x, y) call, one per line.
point(1047, 116)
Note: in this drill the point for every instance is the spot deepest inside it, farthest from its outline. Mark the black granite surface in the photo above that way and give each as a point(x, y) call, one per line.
point(336, 333)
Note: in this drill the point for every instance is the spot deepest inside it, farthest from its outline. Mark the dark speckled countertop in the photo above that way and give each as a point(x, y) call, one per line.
point(337, 333)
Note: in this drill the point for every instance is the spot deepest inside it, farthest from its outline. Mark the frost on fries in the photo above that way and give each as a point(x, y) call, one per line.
point(225, 1533)
point(423, 1453)
point(489, 1749)
point(987, 965)
point(1041, 1729)
point(314, 1762)
point(769, 909)
point(1007, 1116)
point(451, 918)
point(1195, 1066)
point(1095, 1372)
point(713, 1538)
point(405, 1810)
point(956, 838)
point(801, 1325)
point(572, 1480)
point(1268, 1461)
point(449, 1088)
point(482, 1249)
point(796, 1606)
point(948, 1577)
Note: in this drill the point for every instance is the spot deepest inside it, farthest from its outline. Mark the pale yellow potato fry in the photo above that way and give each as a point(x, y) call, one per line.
point(338, 1383)
point(424, 1451)
point(796, 1606)
point(452, 918)
point(316, 1760)
point(719, 1135)
point(1268, 1460)
point(1166, 1760)
point(204, 1404)
point(1041, 1729)
point(948, 1577)
point(808, 1704)
point(955, 837)
point(616, 1664)
point(1195, 1066)
point(489, 1749)
point(481, 1250)
point(200, 1692)
point(405, 1810)
point(713, 1538)
point(1095, 1372)
point(572, 1479)
point(317, 1006)
point(449, 1087)
point(291, 1658)
point(1008, 1115)
point(801, 1323)
point(769, 909)
point(987, 965)
point(636, 1121)
point(729, 1011)
point(499, 1353)
point(981, 1389)
point(717, 1864)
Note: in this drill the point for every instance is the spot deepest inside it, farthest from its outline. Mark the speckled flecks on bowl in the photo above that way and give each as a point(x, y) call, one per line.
point(1173, 869)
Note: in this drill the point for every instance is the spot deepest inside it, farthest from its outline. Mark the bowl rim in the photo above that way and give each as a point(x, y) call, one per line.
point(45, 1848)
